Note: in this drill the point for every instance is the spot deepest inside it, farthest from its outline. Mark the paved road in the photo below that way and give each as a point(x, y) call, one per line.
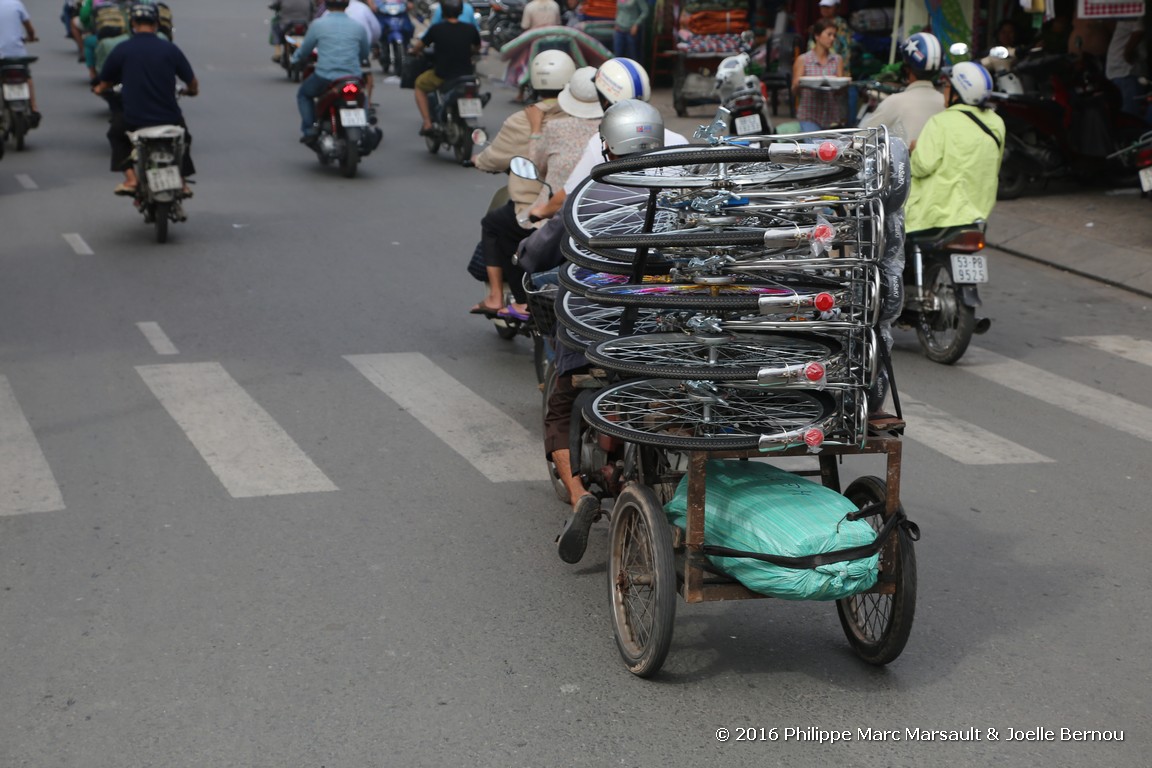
point(269, 497)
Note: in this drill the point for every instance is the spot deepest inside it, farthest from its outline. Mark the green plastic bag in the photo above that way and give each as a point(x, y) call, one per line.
point(755, 507)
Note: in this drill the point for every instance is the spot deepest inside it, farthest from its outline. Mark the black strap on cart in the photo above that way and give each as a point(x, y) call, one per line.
point(806, 562)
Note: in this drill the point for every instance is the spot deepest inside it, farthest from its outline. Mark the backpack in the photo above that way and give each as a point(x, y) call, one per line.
point(165, 25)
point(109, 21)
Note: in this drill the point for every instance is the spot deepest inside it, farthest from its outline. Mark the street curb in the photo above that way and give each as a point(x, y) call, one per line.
point(1089, 275)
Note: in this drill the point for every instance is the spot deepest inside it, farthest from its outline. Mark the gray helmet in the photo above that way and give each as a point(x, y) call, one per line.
point(630, 126)
point(144, 13)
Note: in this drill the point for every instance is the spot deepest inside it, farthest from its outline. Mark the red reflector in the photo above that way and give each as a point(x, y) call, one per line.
point(968, 241)
point(813, 437)
point(822, 232)
point(814, 372)
point(824, 302)
point(351, 88)
point(828, 152)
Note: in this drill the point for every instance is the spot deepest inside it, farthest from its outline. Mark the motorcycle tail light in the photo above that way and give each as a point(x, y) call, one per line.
point(14, 76)
point(744, 103)
point(968, 241)
point(1144, 158)
point(824, 301)
point(351, 89)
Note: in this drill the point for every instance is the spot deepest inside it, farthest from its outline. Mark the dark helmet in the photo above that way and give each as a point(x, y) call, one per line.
point(451, 9)
point(144, 13)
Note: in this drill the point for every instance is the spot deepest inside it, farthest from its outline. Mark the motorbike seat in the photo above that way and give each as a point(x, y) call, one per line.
point(934, 239)
point(156, 132)
point(18, 61)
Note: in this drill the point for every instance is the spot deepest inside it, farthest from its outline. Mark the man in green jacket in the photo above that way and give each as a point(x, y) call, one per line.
point(957, 158)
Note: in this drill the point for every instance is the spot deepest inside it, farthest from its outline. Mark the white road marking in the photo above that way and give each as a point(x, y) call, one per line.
point(26, 481)
point(242, 444)
point(1127, 347)
point(78, 245)
point(961, 440)
point(494, 443)
point(26, 181)
point(1110, 410)
point(157, 338)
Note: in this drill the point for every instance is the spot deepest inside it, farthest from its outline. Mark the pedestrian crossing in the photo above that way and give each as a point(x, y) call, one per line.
point(251, 455)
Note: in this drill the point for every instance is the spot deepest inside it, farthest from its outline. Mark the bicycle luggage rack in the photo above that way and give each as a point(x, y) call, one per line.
point(725, 267)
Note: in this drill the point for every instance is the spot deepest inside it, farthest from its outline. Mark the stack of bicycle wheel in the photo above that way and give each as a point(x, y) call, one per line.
point(734, 290)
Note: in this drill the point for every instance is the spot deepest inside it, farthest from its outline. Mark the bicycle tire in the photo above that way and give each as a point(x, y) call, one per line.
point(742, 416)
point(596, 322)
point(769, 358)
point(615, 261)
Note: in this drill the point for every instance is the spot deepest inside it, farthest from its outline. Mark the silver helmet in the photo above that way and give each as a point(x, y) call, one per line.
point(630, 126)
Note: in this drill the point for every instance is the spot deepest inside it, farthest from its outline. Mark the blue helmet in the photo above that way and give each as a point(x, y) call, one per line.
point(923, 53)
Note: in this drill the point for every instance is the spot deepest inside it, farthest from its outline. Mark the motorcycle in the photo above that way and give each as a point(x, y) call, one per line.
point(158, 152)
point(293, 34)
point(457, 107)
point(16, 117)
point(346, 130)
point(1060, 122)
point(504, 21)
point(397, 32)
point(941, 276)
point(1139, 153)
point(743, 109)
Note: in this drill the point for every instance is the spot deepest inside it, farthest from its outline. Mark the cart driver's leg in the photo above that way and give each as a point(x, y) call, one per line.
point(573, 539)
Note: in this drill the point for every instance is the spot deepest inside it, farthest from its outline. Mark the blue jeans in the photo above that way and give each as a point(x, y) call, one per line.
point(312, 88)
point(626, 44)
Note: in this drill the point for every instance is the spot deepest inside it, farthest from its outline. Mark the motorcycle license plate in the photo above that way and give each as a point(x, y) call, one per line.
point(16, 92)
point(748, 124)
point(1146, 179)
point(470, 107)
point(164, 179)
point(353, 118)
point(969, 268)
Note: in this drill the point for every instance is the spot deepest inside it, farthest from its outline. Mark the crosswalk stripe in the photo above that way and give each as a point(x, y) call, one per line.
point(157, 338)
point(1110, 410)
point(26, 181)
point(1127, 347)
point(26, 481)
point(496, 445)
point(241, 443)
point(961, 440)
point(79, 247)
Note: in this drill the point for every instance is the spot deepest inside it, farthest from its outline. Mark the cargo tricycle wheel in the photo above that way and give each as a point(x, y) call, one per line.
point(877, 624)
point(641, 580)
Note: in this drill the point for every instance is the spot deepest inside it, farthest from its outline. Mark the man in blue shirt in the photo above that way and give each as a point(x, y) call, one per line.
point(146, 66)
point(341, 44)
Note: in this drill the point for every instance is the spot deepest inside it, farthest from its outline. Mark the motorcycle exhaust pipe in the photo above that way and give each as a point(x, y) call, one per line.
point(982, 325)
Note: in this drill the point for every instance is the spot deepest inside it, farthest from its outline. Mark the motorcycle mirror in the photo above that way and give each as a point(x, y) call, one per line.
point(479, 137)
point(958, 50)
point(999, 52)
point(748, 36)
point(524, 168)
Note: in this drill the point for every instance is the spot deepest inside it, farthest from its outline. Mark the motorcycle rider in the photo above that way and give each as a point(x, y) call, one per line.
point(628, 126)
point(15, 30)
point(359, 12)
point(456, 43)
point(341, 44)
point(905, 113)
point(957, 158)
point(288, 11)
point(503, 228)
point(146, 66)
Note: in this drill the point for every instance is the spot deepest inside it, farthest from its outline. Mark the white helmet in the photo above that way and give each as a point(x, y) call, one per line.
point(971, 82)
point(631, 126)
point(621, 78)
point(551, 70)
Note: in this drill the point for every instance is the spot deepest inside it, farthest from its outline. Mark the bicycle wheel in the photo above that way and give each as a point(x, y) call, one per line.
point(601, 209)
point(641, 580)
point(701, 415)
point(614, 261)
point(594, 322)
point(768, 358)
point(878, 624)
point(677, 167)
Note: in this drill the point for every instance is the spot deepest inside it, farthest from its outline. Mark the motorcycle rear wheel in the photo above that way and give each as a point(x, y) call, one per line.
point(19, 128)
point(351, 157)
point(160, 219)
point(1013, 181)
point(945, 334)
point(432, 143)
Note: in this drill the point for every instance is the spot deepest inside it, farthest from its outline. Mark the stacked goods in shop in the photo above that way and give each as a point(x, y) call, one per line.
point(734, 291)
